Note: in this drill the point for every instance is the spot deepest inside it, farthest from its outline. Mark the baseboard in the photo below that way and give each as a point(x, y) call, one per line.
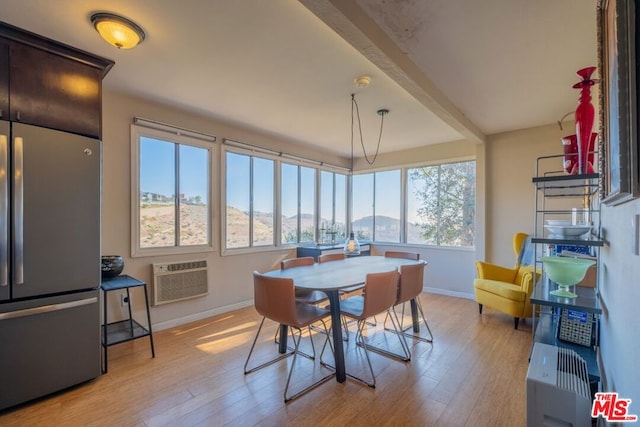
point(199, 316)
point(449, 293)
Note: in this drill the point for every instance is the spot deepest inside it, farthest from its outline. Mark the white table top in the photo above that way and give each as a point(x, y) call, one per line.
point(339, 274)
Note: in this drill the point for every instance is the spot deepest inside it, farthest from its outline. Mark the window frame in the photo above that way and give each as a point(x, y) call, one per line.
point(279, 160)
point(164, 133)
point(404, 177)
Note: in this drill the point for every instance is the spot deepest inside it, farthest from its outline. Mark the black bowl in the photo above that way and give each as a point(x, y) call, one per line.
point(112, 266)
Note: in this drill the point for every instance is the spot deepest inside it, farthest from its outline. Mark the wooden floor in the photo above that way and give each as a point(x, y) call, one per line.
point(472, 375)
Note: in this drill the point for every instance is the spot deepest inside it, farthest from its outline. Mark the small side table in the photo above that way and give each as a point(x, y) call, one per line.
point(128, 329)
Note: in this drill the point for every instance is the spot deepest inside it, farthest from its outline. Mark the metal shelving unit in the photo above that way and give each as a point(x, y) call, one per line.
point(556, 194)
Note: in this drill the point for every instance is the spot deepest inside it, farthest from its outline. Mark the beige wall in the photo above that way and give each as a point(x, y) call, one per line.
point(510, 167)
point(230, 276)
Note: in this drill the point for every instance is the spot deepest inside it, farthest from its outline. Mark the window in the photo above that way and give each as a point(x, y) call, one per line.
point(376, 206)
point(362, 206)
point(441, 204)
point(333, 206)
point(171, 192)
point(250, 201)
point(297, 203)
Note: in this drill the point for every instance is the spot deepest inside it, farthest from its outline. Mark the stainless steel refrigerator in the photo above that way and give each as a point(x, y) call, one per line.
point(50, 185)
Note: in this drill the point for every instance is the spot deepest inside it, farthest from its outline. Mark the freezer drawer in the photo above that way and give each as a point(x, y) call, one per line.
point(49, 346)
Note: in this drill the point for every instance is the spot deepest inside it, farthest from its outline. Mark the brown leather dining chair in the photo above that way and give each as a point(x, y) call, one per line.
point(380, 293)
point(306, 296)
point(409, 289)
point(275, 300)
point(405, 255)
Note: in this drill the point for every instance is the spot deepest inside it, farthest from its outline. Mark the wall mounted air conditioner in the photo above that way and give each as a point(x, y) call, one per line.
point(558, 392)
point(177, 281)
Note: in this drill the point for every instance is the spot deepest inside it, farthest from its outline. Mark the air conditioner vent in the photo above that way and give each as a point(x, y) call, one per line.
point(179, 281)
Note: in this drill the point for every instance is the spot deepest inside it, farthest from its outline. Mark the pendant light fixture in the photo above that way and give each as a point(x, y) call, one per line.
point(352, 246)
point(363, 82)
point(117, 30)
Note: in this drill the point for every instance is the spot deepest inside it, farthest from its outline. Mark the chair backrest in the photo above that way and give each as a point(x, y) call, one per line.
point(331, 257)
point(274, 298)
point(380, 292)
point(296, 262)
point(518, 241)
point(405, 255)
point(411, 279)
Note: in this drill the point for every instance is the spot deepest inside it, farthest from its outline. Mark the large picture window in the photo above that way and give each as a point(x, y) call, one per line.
point(172, 192)
point(441, 204)
point(297, 203)
point(333, 207)
point(376, 206)
point(250, 201)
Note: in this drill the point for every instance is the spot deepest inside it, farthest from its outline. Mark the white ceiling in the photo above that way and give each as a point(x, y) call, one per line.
point(446, 69)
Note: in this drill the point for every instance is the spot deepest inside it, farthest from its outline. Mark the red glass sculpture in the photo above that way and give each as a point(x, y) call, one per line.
point(584, 118)
point(570, 151)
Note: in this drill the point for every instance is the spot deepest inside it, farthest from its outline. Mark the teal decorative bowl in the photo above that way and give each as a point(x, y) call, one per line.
point(566, 272)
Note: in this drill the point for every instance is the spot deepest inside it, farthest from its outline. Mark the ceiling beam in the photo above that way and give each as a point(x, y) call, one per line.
point(349, 21)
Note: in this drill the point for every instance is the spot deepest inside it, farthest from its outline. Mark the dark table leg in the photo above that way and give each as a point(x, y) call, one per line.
point(336, 327)
point(282, 344)
point(414, 316)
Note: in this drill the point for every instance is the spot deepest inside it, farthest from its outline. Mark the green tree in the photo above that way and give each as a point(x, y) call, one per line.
point(446, 198)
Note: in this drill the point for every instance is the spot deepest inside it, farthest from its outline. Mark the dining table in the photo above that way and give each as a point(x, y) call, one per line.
point(330, 278)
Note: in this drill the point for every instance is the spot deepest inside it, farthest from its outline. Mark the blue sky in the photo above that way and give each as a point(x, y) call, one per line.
point(157, 168)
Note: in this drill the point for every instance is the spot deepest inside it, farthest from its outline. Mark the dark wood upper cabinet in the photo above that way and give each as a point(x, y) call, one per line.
point(50, 84)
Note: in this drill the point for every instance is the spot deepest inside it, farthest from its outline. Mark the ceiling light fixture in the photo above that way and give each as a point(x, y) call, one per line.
point(117, 31)
point(362, 81)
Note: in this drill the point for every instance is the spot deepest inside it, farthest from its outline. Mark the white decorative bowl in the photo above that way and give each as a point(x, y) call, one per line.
point(568, 230)
point(558, 222)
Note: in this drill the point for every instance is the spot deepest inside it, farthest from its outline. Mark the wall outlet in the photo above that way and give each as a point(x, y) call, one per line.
point(124, 300)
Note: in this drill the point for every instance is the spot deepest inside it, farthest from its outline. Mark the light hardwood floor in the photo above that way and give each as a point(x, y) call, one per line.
point(472, 375)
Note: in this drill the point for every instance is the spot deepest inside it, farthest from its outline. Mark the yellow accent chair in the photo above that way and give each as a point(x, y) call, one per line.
point(506, 289)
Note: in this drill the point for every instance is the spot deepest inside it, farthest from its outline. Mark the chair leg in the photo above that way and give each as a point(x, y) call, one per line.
point(406, 353)
point(480, 308)
point(276, 340)
point(403, 329)
point(271, 362)
point(293, 363)
point(516, 320)
point(359, 336)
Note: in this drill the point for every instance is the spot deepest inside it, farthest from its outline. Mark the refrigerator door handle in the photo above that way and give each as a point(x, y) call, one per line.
point(47, 308)
point(4, 211)
point(18, 211)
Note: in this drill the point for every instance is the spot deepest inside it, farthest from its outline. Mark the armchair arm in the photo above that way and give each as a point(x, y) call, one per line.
point(496, 272)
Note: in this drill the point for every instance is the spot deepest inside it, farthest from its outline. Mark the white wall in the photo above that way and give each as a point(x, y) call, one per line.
point(620, 297)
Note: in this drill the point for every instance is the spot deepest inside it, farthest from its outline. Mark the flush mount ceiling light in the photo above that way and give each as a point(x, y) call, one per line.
point(362, 81)
point(117, 31)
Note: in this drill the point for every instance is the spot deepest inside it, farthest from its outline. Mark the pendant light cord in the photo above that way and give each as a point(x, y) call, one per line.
point(354, 108)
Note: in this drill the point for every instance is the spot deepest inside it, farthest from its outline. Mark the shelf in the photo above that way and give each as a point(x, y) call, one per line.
point(586, 301)
point(592, 240)
point(546, 328)
point(122, 331)
point(568, 185)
